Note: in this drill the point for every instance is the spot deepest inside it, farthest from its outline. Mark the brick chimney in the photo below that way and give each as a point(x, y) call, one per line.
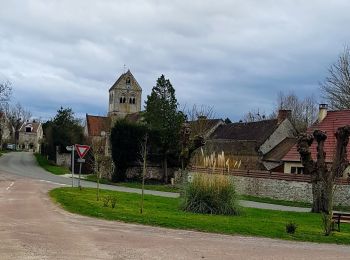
point(322, 112)
point(283, 114)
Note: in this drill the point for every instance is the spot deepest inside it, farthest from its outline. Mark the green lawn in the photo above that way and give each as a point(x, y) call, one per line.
point(48, 166)
point(160, 211)
point(287, 202)
point(137, 185)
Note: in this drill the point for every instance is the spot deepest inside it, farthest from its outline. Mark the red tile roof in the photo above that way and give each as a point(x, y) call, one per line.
point(330, 124)
point(97, 124)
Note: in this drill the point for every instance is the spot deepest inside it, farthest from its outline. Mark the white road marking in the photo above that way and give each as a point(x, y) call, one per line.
point(54, 182)
point(10, 186)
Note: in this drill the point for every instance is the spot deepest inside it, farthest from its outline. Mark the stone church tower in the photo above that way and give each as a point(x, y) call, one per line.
point(124, 97)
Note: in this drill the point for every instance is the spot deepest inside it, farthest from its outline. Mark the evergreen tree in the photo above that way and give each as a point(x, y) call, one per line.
point(63, 130)
point(126, 139)
point(162, 115)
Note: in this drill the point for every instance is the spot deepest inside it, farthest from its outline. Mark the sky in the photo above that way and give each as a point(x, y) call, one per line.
point(233, 56)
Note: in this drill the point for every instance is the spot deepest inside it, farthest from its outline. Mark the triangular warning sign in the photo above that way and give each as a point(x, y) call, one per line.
point(82, 150)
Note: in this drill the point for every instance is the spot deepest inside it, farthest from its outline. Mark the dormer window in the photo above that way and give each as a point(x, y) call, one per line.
point(29, 128)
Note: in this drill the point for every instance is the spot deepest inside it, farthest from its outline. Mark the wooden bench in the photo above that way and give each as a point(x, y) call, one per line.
point(340, 217)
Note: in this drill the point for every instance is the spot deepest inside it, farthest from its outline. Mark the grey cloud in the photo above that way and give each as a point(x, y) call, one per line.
point(233, 55)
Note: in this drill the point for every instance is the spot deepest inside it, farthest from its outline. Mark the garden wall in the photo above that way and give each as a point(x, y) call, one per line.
point(281, 186)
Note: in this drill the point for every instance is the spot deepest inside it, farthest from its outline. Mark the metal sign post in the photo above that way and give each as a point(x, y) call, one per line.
point(72, 149)
point(82, 151)
point(80, 161)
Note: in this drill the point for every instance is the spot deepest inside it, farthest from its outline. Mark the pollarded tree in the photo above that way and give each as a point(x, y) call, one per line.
point(323, 177)
point(162, 115)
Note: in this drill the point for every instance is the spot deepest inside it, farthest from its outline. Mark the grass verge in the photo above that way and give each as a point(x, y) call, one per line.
point(136, 185)
point(165, 212)
point(48, 166)
point(287, 202)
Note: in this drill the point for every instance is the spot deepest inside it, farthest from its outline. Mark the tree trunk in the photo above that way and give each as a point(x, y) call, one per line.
point(165, 165)
point(316, 197)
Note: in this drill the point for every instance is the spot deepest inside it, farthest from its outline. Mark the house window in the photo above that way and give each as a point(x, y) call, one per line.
point(127, 81)
point(133, 100)
point(297, 170)
point(28, 129)
point(130, 100)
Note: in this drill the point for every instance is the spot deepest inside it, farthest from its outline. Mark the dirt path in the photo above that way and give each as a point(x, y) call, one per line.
point(32, 227)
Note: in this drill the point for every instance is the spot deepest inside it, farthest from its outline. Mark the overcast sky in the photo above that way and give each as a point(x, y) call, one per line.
point(232, 55)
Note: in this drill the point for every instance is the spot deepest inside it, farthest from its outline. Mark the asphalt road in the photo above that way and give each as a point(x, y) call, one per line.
point(32, 227)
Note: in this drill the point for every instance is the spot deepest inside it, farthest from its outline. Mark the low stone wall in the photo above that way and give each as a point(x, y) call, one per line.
point(153, 173)
point(63, 159)
point(286, 190)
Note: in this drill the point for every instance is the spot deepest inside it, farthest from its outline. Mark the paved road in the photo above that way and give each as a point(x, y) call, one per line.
point(24, 164)
point(32, 227)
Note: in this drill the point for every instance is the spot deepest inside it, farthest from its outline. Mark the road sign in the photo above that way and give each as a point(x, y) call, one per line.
point(80, 160)
point(82, 150)
point(69, 148)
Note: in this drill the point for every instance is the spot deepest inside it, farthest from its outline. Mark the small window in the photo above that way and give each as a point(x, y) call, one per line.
point(28, 129)
point(130, 100)
point(121, 100)
point(124, 100)
point(128, 81)
point(297, 170)
point(133, 101)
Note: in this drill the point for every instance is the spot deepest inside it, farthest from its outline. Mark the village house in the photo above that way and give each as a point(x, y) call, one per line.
point(329, 122)
point(30, 136)
point(256, 145)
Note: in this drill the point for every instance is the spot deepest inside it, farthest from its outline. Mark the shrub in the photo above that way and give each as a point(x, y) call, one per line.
point(106, 200)
point(291, 227)
point(113, 202)
point(210, 194)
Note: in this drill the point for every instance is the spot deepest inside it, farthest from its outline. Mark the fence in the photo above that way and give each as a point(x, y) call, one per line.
point(263, 174)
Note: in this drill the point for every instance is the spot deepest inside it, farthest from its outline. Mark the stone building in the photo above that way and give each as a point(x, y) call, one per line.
point(124, 97)
point(30, 137)
point(124, 102)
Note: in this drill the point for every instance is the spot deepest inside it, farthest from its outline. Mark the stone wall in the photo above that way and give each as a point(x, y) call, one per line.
point(286, 190)
point(153, 173)
point(63, 159)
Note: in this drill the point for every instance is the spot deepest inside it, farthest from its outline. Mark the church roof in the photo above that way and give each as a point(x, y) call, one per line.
point(123, 76)
point(97, 124)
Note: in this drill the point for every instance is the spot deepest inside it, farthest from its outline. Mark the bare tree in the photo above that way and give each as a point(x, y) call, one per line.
point(101, 163)
point(336, 86)
point(304, 111)
point(143, 155)
point(5, 92)
point(254, 116)
point(199, 118)
point(322, 177)
point(17, 115)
